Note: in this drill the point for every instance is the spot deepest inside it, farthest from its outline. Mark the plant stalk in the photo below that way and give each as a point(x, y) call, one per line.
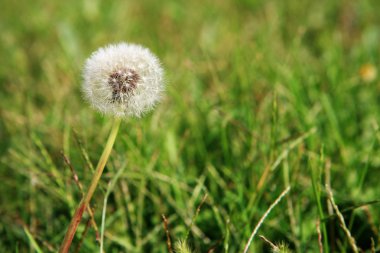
point(94, 183)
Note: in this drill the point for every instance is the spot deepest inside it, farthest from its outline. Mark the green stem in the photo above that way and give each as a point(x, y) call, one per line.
point(94, 183)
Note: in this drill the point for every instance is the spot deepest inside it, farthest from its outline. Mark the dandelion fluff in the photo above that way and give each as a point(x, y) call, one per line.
point(123, 80)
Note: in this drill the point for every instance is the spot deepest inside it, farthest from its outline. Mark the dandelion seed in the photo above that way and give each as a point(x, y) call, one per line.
point(123, 80)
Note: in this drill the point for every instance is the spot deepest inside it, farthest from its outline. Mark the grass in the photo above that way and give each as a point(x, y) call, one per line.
point(261, 96)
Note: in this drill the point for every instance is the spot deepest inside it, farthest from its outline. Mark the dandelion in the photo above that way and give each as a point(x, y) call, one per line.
point(368, 72)
point(123, 80)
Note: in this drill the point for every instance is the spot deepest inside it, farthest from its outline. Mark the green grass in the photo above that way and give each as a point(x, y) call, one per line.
point(261, 95)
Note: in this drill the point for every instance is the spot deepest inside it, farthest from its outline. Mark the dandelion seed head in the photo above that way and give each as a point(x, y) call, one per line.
point(123, 80)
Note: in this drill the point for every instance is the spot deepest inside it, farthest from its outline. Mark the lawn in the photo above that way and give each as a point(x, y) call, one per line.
point(261, 96)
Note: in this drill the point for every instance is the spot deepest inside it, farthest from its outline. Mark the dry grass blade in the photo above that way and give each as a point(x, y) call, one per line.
point(264, 217)
point(267, 241)
point(78, 183)
point(83, 151)
point(351, 239)
point(196, 215)
point(75, 175)
point(168, 240)
point(320, 244)
point(77, 248)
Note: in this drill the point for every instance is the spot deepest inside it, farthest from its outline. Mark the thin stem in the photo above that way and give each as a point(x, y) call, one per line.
point(195, 215)
point(263, 218)
point(351, 239)
point(110, 188)
point(89, 210)
point(168, 240)
point(87, 197)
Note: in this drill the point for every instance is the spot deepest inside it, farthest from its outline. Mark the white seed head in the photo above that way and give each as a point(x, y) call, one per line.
point(123, 80)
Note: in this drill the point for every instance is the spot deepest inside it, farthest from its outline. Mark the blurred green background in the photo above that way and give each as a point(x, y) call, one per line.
point(261, 95)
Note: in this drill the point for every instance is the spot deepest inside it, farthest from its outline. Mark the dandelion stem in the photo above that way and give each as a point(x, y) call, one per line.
point(94, 183)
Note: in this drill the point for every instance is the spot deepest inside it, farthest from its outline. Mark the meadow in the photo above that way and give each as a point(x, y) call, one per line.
point(261, 95)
